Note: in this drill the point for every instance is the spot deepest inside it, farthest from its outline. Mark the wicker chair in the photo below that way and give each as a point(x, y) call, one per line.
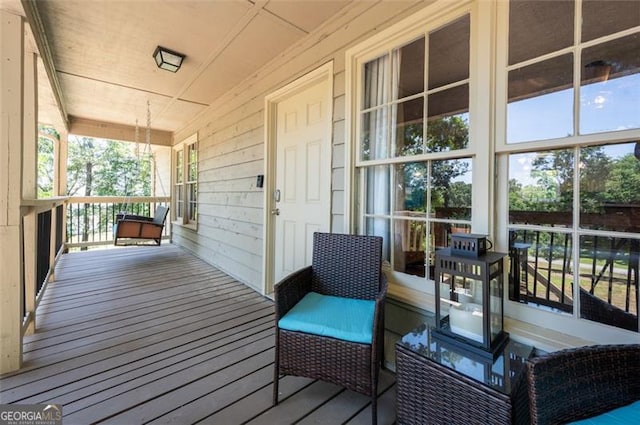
point(346, 266)
point(598, 310)
point(578, 383)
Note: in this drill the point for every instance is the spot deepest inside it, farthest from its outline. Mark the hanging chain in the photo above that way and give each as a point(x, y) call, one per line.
point(137, 140)
point(148, 131)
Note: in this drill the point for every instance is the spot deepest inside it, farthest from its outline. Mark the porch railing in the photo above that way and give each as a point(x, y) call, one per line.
point(542, 272)
point(90, 220)
point(42, 245)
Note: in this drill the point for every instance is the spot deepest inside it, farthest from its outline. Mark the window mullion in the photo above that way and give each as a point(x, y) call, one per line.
point(575, 233)
point(577, 61)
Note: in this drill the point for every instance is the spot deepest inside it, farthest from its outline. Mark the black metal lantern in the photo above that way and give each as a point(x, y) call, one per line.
point(168, 59)
point(470, 300)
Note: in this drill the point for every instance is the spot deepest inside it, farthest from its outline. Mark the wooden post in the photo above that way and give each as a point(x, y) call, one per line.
point(30, 185)
point(11, 131)
point(60, 177)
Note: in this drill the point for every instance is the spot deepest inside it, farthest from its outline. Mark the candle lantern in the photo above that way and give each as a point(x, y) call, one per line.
point(469, 295)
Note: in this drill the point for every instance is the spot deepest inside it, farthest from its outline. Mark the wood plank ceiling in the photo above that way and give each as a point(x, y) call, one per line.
point(102, 52)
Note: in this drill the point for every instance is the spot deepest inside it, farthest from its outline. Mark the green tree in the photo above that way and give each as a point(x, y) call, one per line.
point(448, 133)
point(623, 184)
point(124, 173)
point(553, 172)
point(104, 168)
point(595, 169)
point(45, 167)
point(443, 134)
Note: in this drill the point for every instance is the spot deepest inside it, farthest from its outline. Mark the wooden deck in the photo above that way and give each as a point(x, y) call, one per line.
point(155, 335)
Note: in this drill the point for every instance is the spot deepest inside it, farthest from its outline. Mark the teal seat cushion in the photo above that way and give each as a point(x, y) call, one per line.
point(629, 414)
point(346, 319)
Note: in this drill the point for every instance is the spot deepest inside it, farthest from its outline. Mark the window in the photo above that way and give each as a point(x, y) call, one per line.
point(573, 158)
point(413, 163)
point(192, 182)
point(563, 82)
point(178, 191)
point(185, 182)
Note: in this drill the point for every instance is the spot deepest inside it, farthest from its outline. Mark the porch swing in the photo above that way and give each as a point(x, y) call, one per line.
point(132, 229)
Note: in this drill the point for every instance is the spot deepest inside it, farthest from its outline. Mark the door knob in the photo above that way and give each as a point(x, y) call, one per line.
point(275, 211)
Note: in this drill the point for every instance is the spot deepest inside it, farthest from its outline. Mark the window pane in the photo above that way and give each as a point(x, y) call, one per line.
point(409, 127)
point(411, 189)
point(193, 153)
point(410, 245)
point(374, 140)
point(448, 122)
point(539, 27)
point(193, 162)
point(610, 187)
point(440, 237)
point(601, 17)
point(609, 280)
point(376, 76)
point(541, 100)
point(611, 86)
point(410, 75)
point(541, 188)
point(541, 272)
point(179, 167)
point(449, 53)
point(377, 189)
point(193, 202)
point(380, 227)
point(441, 234)
point(179, 199)
point(451, 189)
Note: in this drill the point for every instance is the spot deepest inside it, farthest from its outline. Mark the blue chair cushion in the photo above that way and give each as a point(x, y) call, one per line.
point(346, 319)
point(629, 414)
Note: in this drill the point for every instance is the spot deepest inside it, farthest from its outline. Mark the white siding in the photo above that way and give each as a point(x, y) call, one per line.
point(231, 140)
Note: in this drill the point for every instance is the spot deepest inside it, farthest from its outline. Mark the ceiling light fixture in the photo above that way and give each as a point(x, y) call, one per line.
point(168, 59)
point(597, 71)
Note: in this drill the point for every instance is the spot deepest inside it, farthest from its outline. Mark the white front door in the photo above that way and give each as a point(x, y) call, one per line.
point(302, 186)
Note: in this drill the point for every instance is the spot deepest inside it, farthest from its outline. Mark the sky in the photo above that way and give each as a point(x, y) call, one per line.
point(606, 106)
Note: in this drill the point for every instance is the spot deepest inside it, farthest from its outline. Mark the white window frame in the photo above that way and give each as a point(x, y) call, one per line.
point(183, 147)
point(571, 324)
point(412, 289)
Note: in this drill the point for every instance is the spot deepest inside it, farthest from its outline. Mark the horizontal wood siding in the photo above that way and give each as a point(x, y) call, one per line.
point(231, 142)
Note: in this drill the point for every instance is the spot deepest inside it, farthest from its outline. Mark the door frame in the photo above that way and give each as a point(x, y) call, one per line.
point(324, 72)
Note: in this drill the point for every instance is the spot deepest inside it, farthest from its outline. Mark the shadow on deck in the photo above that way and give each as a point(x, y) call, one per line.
point(155, 335)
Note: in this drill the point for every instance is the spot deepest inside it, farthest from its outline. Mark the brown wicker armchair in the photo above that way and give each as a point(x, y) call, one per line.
point(579, 383)
point(348, 267)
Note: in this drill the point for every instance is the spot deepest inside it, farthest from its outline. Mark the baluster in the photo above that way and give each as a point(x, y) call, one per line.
point(550, 264)
point(566, 259)
point(593, 264)
point(535, 269)
point(612, 256)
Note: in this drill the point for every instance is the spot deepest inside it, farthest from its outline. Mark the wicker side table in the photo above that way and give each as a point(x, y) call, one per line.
point(440, 384)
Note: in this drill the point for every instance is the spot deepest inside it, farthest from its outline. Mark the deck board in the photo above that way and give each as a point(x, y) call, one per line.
point(155, 335)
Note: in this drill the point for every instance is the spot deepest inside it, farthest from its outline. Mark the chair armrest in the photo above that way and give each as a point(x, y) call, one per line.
point(292, 289)
point(592, 379)
point(382, 294)
point(378, 317)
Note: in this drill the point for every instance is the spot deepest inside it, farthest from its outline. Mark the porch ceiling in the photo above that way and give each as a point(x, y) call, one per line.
point(101, 52)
